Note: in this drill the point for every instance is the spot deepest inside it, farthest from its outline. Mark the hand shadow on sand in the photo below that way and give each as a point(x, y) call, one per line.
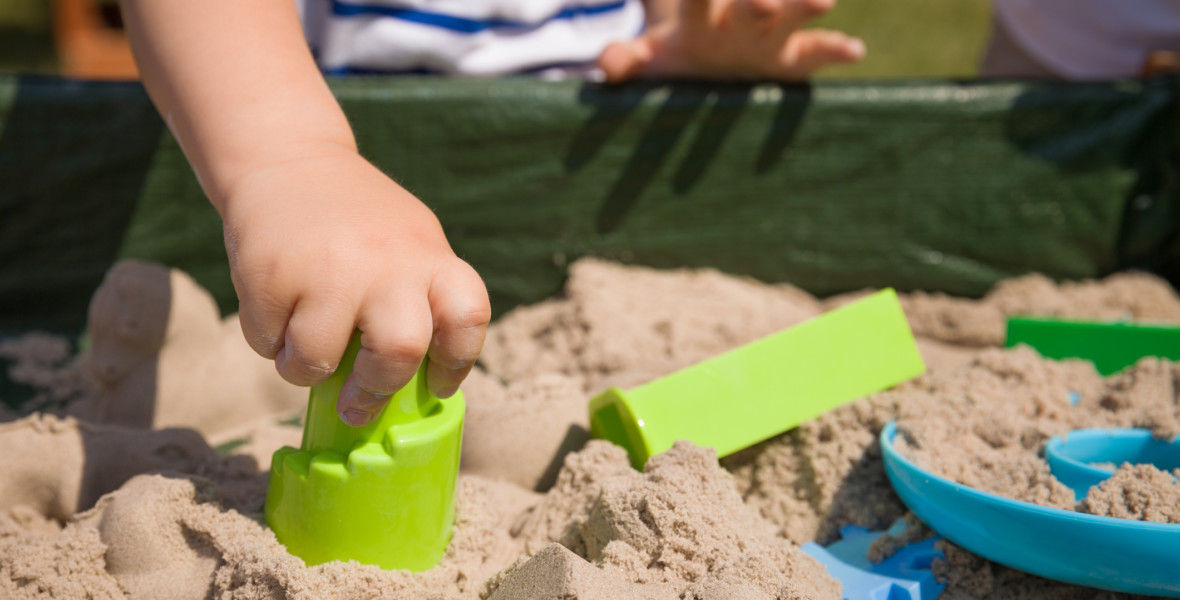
point(680, 111)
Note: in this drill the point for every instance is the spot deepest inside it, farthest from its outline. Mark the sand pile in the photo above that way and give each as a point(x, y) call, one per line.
point(680, 527)
point(99, 505)
point(985, 428)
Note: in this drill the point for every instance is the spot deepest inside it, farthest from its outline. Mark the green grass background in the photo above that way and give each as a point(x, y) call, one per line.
point(26, 43)
point(905, 38)
point(912, 38)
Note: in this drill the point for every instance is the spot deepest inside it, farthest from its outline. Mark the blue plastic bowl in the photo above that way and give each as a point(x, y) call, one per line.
point(1101, 552)
point(1071, 457)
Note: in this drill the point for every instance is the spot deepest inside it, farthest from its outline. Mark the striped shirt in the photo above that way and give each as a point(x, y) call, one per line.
point(465, 37)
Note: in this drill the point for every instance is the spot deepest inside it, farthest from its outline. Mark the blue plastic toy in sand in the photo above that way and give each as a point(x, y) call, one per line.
point(905, 575)
point(1079, 459)
point(1102, 552)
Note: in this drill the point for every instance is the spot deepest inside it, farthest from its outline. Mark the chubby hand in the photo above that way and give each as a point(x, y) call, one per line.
point(323, 245)
point(741, 40)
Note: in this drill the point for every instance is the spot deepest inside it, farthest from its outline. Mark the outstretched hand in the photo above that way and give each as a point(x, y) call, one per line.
point(742, 40)
point(327, 244)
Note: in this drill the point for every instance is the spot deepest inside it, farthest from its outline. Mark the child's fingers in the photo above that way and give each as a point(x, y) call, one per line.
point(316, 336)
point(621, 61)
point(395, 334)
point(811, 50)
point(461, 311)
point(263, 317)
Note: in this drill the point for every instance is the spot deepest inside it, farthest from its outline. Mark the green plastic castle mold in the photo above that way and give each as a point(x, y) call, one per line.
point(382, 494)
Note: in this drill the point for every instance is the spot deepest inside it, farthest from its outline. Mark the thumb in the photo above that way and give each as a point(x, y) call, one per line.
point(810, 50)
point(622, 61)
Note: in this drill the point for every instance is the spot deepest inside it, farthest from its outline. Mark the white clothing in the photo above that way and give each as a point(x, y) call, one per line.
point(465, 37)
point(1092, 39)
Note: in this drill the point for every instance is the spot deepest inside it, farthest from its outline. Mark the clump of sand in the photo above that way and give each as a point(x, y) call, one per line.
point(131, 511)
point(680, 526)
point(1139, 492)
point(822, 475)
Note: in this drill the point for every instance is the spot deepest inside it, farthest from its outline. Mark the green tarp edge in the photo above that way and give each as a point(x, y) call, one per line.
point(931, 185)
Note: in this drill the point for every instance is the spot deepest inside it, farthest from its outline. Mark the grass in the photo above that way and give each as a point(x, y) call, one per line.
point(912, 38)
point(24, 14)
point(227, 448)
point(26, 43)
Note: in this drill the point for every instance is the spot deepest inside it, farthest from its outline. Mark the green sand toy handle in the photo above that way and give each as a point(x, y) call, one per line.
point(382, 494)
point(1111, 346)
point(756, 391)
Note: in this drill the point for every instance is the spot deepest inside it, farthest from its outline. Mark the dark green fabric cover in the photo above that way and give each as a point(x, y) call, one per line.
point(920, 185)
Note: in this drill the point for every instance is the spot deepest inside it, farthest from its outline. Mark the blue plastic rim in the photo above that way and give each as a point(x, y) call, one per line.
point(1071, 457)
point(1102, 552)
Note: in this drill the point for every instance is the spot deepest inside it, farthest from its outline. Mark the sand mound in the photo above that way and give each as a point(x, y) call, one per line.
point(614, 326)
point(91, 510)
point(1123, 296)
point(555, 572)
point(822, 475)
point(156, 335)
point(622, 326)
point(41, 564)
point(680, 524)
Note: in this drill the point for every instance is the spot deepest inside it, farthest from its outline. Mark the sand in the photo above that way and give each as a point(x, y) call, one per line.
point(101, 499)
point(985, 428)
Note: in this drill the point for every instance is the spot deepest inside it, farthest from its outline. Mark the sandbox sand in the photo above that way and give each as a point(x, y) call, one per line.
point(985, 427)
point(98, 500)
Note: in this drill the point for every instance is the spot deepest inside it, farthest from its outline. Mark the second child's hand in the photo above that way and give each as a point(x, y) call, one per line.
point(739, 40)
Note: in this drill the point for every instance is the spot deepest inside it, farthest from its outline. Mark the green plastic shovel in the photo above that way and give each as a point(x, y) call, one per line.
point(754, 392)
point(382, 494)
point(1111, 346)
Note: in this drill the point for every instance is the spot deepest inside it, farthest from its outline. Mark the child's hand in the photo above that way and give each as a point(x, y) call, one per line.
point(320, 242)
point(324, 245)
point(744, 40)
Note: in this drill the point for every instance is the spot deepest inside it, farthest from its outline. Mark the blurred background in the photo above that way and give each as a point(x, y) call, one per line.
point(83, 38)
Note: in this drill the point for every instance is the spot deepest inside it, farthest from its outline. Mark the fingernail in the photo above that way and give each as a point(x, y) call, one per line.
point(356, 397)
point(364, 400)
point(355, 417)
point(857, 47)
point(448, 391)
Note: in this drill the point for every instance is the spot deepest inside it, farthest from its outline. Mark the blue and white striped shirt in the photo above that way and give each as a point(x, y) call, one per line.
point(465, 37)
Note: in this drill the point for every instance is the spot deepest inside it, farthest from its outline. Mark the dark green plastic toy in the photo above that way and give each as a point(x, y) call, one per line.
point(1111, 346)
point(382, 494)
